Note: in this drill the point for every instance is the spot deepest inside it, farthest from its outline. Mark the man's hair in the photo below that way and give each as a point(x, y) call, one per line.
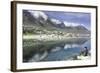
point(85, 47)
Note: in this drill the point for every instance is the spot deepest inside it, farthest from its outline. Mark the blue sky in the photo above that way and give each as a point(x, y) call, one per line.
point(74, 17)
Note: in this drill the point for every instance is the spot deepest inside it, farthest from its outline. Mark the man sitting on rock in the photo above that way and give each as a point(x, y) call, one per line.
point(84, 52)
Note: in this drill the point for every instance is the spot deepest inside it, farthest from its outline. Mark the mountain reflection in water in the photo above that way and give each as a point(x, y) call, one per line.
point(53, 50)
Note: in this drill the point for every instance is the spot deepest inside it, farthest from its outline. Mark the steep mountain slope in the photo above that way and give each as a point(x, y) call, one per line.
point(39, 21)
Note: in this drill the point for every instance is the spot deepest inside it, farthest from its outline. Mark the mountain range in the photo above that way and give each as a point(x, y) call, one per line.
point(38, 20)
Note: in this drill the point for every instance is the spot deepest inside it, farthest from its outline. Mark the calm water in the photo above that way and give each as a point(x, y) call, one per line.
point(54, 50)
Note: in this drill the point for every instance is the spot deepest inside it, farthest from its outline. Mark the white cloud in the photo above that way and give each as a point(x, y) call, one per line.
point(55, 21)
point(71, 24)
point(37, 14)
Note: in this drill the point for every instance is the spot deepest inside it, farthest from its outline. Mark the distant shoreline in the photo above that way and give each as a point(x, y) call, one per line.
point(41, 37)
